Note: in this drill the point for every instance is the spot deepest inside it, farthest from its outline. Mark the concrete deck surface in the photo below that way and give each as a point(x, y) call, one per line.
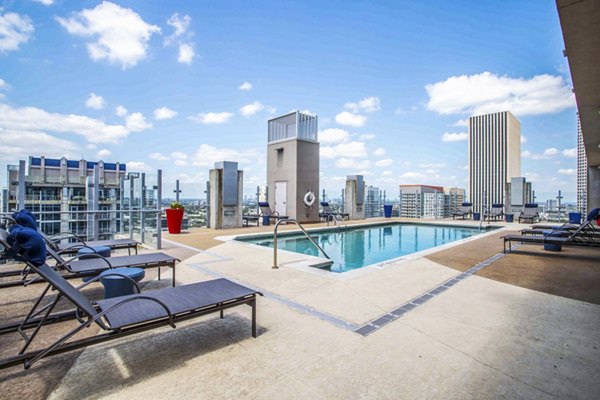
point(489, 336)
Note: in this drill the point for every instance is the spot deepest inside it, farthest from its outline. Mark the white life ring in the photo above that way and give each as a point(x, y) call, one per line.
point(309, 199)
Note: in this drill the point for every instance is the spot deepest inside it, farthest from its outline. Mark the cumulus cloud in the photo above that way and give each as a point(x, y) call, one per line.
point(569, 171)
point(120, 111)
point(348, 118)
point(15, 29)
point(3, 84)
point(546, 154)
point(103, 154)
point(571, 153)
point(45, 2)
point(435, 166)
point(366, 136)
point(212, 118)
point(245, 86)
point(380, 151)
point(523, 139)
point(164, 113)
point(116, 34)
point(138, 166)
point(333, 135)
point(178, 155)
point(94, 101)
point(251, 109)
point(462, 122)
point(207, 155)
point(17, 144)
point(486, 93)
point(551, 152)
point(180, 24)
point(352, 163)
point(344, 150)
point(186, 53)
point(158, 156)
point(387, 173)
point(368, 104)
point(384, 163)
point(454, 136)
point(136, 122)
point(34, 120)
point(412, 175)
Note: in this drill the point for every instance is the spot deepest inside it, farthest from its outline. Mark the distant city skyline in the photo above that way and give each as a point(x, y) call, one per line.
point(191, 83)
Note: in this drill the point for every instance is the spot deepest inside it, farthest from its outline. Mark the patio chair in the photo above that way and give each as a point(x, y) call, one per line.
point(529, 213)
point(117, 316)
point(26, 218)
point(496, 212)
point(584, 235)
point(265, 211)
point(466, 209)
point(92, 265)
point(328, 212)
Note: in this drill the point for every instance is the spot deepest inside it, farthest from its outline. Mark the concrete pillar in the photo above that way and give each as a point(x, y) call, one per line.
point(21, 187)
point(593, 189)
point(354, 197)
point(226, 184)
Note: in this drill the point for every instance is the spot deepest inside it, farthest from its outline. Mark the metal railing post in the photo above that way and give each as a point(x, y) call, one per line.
point(159, 209)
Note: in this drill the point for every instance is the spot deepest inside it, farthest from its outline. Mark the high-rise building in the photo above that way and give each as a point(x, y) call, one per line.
point(61, 190)
point(422, 201)
point(453, 199)
point(582, 171)
point(373, 205)
point(494, 157)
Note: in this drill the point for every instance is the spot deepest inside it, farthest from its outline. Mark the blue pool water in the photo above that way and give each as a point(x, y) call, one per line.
point(354, 248)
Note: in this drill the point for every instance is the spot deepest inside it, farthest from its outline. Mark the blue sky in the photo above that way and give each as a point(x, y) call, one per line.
point(179, 85)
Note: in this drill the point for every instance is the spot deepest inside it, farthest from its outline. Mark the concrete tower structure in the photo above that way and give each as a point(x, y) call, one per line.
point(582, 171)
point(494, 157)
point(293, 165)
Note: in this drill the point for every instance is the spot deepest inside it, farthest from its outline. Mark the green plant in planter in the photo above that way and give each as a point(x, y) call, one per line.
point(176, 206)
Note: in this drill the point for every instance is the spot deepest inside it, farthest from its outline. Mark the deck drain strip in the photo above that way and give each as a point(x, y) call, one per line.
point(385, 319)
point(280, 299)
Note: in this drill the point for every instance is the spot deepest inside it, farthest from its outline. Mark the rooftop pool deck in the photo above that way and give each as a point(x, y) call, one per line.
point(457, 321)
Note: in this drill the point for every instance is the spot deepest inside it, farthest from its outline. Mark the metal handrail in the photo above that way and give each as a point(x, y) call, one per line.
point(275, 266)
point(334, 218)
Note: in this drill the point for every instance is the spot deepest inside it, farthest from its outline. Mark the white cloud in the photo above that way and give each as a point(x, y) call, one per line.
point(164, 113)
point(551, 152)
point(14, 30)
point(352, 163)
point(569, 171)
point(245, 86)
point(19, 144)
point(45, 2)
point(118, 34)
point(387, 173)
point(34, 120)
point(454, 136)
point(94, 101)
point(180, 163)
point(186, 53)
point(103, 154)
point(181, 24)
point(3, 84)
point(158, 156)
point(251, 109)
point(212, 118)
point(138, 166)
point(120, 111)
point(333, 135)
point(435, 166)
point(344, 150)
point(548, 153)
point(571, 153)
point(462, 122)
point(384, 163)
point(368, 104)
point(178, 155)
point(207, 155)
point(486, 93)
point(136, 122)
point(366, 136)
point(347, 118)
point(526, 154)
point(523, 139)
point(412, 175)
point(380, 151)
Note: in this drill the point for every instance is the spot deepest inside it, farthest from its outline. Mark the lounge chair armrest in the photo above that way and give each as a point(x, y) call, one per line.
point(66, 235)
point(77, 246)
point(97, 278)
point(93, 255)
point(130, 299)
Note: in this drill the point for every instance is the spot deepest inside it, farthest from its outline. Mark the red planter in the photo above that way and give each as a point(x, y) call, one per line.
point(174, 219)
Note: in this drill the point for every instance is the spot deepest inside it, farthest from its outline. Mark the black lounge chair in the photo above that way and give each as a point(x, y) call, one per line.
point(26, 218)
point(496, 212)
point(466, 210)
point(585, 235)
point(92, 265)
point(529, 213)
point(328, 212)
point(265, 211)
point(119, 316)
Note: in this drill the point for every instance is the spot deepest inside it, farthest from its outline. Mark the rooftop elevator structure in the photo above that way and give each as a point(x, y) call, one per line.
point(293, 166)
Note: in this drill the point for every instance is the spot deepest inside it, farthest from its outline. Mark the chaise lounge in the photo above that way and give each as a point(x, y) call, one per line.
point(265, 211)
point(466, 209)
point(529, 213)
point(328, 212)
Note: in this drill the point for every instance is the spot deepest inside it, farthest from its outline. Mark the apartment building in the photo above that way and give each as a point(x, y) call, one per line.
point(582, 172)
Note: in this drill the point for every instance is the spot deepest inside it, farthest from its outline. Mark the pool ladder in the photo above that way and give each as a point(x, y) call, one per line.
point(275, 266)
point(334, 218)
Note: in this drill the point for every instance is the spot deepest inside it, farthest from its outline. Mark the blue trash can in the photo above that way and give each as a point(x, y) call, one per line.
point(574, 218)
point(266, 220)
point(387, 211)
point(476, 216)
point(115, 285)
point(509, 217)
point(552, 246)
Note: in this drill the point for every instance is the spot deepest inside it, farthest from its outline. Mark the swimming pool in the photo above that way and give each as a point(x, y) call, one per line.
point(357, 247)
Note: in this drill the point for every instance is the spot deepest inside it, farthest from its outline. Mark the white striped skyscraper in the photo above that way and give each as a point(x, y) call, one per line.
point(494, 157)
